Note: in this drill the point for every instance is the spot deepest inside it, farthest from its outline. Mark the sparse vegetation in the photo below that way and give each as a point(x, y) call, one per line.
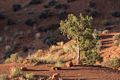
point(45, 14)
point(116, 39)
point(51, 4)
point(2, 16)
point(59, 64)
point(34, 2)
point(61, 6)
point(14, 58)
point(114, 62)
point(30, 22)
point(15, 72)
point(116, 13)
point(30, 76)
point(62, 15)
point(17, 7)
point(69, 1)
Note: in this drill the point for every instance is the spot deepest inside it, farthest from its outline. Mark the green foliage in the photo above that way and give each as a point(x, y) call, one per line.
point(59, 64)
point(14, 58)
point(75, 27)
point(81, 30)
point(15, 72)
point(91, 57)
point(114, 62)
point(30, 76)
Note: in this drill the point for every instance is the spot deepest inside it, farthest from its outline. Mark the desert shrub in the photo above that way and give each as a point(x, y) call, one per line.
point(114, 62)
point(115, 13)
point(51, 4)
point(91, 57)
point(10, 22)
point(49, 58)
point(69, 1)
point(116, 43)
point(62, 15)
point(92, 4)
point(4, 77)
point(15, 72)
point(59, 64)
point(116, 37)
point(61, 6)
point(50, 41)
point(2, 16)
point(13, 58)
point(29, 76)
point(17, 7)
point(30, 22)
point(45, 14)
point(33, 2)
point(93, 12)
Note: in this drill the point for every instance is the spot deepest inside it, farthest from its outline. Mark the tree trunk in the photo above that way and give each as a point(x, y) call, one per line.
point(78, 52)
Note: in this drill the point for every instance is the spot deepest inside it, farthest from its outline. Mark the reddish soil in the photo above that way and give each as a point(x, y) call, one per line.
point(73, 73)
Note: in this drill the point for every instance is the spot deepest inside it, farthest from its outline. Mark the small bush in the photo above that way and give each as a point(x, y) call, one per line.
point(93, 12)
point(45, 14)
point(33, 2)
point(15, 72)
point(30, 76)
point(17, 7)
point(69, 1)
point(114, 62)
point(92, 4)
point(116, 37)
point(59, 64)
point(4, 77)
point(61, 6)
point(62, 15)
point(2, 16)
point(14, 58)
point(91, 57)
point(51, 4)
point(49, 58)
point(115, 13)
point(10, 22)
point(30, 22)
point(116, 43)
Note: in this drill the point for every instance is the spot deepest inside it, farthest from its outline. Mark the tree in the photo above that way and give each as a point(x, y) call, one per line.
point(81, 30)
